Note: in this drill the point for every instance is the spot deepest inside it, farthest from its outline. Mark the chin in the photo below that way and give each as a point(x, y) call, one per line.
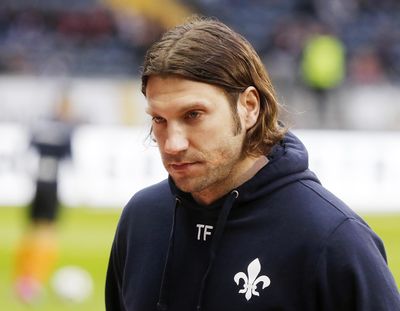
point(186, 186)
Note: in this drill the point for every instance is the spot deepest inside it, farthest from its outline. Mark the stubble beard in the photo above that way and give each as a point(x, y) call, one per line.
point(220, 164)
point(216, 175)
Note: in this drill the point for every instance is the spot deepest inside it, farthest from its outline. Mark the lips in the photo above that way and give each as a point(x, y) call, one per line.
point(182, 166)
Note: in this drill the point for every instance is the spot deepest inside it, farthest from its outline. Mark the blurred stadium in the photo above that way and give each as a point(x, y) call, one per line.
point(340, 96)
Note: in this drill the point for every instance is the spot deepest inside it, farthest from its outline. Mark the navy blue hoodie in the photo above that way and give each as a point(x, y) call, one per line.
point(280, 241)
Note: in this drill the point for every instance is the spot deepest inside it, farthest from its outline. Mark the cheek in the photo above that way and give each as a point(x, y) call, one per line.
point(207, 139)
point(223, 147)
point(218, 129)
point(158, 135)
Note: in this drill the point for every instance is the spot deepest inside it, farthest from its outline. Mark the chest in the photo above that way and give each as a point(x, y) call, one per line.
point(256, 271)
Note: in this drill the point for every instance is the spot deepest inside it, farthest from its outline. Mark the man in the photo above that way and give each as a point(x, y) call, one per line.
point(241, 223)
point(37, 251)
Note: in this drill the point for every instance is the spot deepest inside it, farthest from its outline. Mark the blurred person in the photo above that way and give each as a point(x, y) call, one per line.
point(37, 251)
point(241, 223)
point(323, 68)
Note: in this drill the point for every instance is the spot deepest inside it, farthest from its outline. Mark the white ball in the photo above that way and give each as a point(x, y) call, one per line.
point(72, 283)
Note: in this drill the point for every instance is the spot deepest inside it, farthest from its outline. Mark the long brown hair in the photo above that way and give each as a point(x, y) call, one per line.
point(206, 50)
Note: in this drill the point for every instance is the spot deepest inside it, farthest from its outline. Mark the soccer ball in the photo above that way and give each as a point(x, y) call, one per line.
point(72, 283)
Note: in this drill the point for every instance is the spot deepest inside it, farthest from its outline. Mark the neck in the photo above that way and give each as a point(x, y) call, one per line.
point(248, 168)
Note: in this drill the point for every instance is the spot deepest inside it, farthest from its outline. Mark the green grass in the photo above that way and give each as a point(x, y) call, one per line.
point(85, 237)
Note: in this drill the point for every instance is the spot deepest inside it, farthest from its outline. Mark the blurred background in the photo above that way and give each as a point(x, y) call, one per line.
point(335, 65)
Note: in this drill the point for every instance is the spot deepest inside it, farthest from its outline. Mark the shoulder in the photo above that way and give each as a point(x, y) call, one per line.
point(309, 205)
point(320, 219)
point(152, 194)
point(350, 239)
point(153, 199)
point(351, 270)
point(338, 218)
point(349, 255)
point(321, 194)
point(151, 205)
point(325, 208)
point(346, 243)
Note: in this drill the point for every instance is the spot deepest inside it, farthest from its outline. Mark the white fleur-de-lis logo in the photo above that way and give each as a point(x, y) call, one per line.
point(251, 280)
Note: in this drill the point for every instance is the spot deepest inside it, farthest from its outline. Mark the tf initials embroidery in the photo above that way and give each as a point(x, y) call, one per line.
point(251, 280)
point(203, 231)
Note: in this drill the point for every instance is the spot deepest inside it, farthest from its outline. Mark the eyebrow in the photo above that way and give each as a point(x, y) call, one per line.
point(184, 108)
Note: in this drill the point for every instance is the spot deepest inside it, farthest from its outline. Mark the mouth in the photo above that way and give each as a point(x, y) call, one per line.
point(182, 166)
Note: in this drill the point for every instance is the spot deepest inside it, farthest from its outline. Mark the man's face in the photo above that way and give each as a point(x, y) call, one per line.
point(195, 132)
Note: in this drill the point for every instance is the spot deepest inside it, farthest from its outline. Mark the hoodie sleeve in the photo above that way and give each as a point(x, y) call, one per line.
point(113, 288)
point(352, 272)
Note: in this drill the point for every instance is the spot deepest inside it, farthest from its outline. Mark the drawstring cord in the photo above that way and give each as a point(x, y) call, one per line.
point(162, 300)
point(223, 216)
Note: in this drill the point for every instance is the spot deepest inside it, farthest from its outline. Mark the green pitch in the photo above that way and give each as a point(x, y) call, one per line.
point(85, 237)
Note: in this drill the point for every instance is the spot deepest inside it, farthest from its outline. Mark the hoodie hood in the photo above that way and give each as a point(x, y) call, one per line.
point(288, 162)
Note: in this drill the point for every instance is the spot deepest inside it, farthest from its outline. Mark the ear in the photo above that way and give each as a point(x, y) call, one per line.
point(249, 106)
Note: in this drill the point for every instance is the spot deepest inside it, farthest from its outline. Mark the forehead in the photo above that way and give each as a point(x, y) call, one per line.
point(176, 92)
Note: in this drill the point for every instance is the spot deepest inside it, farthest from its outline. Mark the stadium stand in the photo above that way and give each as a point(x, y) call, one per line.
point(108, 39)
point(92, 37)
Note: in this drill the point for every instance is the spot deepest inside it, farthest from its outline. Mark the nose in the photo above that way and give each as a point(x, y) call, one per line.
point(176, 140)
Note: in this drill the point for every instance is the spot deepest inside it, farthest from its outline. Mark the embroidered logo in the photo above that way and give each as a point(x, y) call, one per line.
point(251, 280)
point(205, 229)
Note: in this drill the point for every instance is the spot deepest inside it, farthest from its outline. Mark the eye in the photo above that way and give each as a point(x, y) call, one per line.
point(158, 120)
point(191, 115)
